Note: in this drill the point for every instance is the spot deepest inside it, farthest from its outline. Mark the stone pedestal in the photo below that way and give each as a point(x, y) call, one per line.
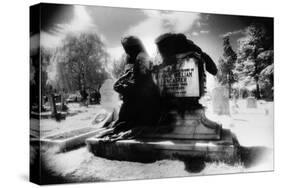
point(191, 124)
point(152, 149)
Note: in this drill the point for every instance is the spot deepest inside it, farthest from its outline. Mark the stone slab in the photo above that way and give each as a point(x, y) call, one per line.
point(149, 149)
point(68, 143)
point(47, 115)
point(75, 138)
point(180, 79)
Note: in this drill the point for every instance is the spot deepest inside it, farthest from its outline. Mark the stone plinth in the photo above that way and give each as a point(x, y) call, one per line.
point(190, 125)
point(152, 149)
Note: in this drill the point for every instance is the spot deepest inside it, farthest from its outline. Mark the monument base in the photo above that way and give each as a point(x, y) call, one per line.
point(152, 149)
point(192, 124)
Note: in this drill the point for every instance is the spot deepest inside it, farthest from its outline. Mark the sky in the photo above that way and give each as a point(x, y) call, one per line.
point(205, 30)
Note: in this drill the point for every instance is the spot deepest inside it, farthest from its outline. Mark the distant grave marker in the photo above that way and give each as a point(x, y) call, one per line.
point(53, 105)
point(251, 102)
point(220, 101)
point(109, 98)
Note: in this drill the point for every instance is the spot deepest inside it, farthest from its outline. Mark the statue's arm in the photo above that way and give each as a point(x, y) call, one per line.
point(210, 64)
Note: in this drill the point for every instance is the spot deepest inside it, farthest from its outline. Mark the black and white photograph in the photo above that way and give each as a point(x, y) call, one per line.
point(120, 94)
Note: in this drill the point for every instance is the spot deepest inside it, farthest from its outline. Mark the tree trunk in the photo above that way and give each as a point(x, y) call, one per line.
point(229, 90)
point(229, 85)
point(258, 96)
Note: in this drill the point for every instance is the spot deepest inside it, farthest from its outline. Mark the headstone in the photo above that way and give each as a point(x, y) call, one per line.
point(188, 133)
point(183, 129)
point(180, 80)
point(63, 102)
point(179, 86)
point(251, 102)
point(220, 100)
point(109, 98)
point(53, 105)
point(235, 106)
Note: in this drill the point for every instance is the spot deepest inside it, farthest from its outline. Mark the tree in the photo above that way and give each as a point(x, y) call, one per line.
point(45, 55)
point(255, 54)
point(80, 62)
point(226, 65)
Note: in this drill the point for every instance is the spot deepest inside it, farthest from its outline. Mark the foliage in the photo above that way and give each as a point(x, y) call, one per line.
point(119, 66)
point(80, 63)
point(45, 55)
point(255, 54)
point(226, 65)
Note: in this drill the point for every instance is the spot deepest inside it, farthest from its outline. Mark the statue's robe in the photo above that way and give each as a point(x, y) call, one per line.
point(140, 95)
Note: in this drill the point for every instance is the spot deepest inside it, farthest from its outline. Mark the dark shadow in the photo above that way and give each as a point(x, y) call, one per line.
point(48, 176)
point(250, 156)
point(44, 175)
point(194, 165)
point(247, 156)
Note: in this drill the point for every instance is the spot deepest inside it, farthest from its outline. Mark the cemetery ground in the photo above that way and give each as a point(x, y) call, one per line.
point(252, 126)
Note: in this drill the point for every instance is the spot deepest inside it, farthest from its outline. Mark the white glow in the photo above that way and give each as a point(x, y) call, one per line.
point(158, 22)
point(81, 22)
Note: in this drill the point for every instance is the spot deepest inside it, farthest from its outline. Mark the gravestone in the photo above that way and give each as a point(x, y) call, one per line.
point(109, 98)
point(179, 80)
point(53, 105)
point(63, 106)
point(220, 100)
point(183, 131)
point(186, 133)
point(251, 102)
point(54, 113)
point(179, 86)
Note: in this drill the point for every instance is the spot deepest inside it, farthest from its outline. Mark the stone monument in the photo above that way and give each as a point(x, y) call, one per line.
point(220, 100)
point(251, 102)
point(109, 99)
point(53, 106)
point(183, 130)
point(179, 86)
